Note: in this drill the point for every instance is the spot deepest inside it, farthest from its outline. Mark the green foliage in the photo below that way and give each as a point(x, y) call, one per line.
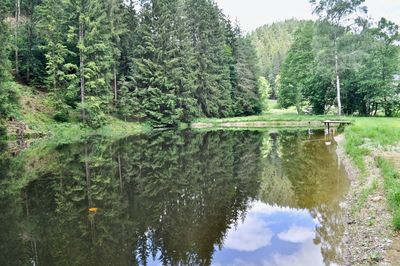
point(8, 94)
point(213, 84)
point(61, 117)
point(392, 186)
point(264, 92)
point(162, 73)
point(245, 90)
point(298, 70)
point(380, 64)
point(93, 108)
point(272, 42)
point(370, 133)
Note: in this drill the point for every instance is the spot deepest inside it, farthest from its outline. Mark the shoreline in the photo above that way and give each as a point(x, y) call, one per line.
point(255, 124)
point(369, 237)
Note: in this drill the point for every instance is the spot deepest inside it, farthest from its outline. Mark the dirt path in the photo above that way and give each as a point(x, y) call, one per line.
point(369, 237)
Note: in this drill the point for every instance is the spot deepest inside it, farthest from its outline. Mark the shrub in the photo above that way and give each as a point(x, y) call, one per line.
point(61, 117)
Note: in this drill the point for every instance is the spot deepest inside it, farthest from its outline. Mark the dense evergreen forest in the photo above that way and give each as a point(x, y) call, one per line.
point(166, 62)
point(157, 61)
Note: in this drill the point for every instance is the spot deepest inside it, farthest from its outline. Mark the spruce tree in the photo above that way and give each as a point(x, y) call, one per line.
point(8, 97)
point(181, 62)
point(213, 82)
point(246, 96)
point(89, 34)
point(163, 65)
point(52, 28)
point(117, 29)
point(143, 69)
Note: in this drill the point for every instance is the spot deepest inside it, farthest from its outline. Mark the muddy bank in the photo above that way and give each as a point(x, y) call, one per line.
point(369, 237)
point(257, 124)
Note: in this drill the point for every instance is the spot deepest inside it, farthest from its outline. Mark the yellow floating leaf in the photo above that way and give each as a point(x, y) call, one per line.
point(93, 210)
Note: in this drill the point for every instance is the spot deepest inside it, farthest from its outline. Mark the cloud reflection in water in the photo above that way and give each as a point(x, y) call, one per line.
point(271, 236)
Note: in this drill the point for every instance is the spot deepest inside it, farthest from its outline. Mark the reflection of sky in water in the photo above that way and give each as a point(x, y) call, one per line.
point(271, 236)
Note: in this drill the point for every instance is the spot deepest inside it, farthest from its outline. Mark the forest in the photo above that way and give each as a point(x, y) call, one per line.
point(140, 62)
point(163, 132)
point(166, 62)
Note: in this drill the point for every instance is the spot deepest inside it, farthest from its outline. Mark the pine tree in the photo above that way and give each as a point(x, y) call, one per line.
point(207, 29)
point(90, 38)
point(162, 70)
point(117, 29)
point(246, 97)
point(52, 28)
point(143, 70)
point(126, 105)
point(8, 97)
point(181, 62)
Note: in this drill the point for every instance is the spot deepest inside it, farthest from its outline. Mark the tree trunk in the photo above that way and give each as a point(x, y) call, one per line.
point(338, 95)
point(120, 172)
point(30, 44)
point(376, 109)
point(87, 175)
point(81, 67)
point(298, 102)
point(115, 85)
point(339, 100)
point(298, 109)
point(17, 17)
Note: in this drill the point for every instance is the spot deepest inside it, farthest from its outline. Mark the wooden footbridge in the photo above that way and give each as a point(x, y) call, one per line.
point(328, 123)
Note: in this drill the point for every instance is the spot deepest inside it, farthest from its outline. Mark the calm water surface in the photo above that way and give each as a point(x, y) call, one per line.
point(175, 198)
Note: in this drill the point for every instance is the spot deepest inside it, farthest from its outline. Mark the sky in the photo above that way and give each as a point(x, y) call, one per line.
point(254, 13)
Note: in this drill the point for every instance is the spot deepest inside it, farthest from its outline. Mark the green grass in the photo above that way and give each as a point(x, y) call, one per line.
point(37, 112)
point(392, 187)
point(371, 135)
point(368, 134)
point(273, 117)
point(365, 193)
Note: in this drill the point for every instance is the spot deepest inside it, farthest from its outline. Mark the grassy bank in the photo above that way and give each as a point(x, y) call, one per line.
point(370, 134)
point(271, 117)
point(376, 138)
point(36, 114)
point(266, 121)
point(392, 187)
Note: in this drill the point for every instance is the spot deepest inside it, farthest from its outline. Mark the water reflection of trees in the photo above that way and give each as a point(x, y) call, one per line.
point(302, 172)
point(168, 195)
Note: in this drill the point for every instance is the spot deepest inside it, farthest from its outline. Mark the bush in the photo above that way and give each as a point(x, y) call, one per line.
point(3, 130)
point(61, 117)
point(94, 115)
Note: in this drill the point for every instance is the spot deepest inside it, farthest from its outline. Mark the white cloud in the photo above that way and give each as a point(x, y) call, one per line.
point(249, 236)
point(262, 208)
point(297, 234)
point(308, 254)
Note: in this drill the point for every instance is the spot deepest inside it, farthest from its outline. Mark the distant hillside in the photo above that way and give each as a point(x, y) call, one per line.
point(272, 43)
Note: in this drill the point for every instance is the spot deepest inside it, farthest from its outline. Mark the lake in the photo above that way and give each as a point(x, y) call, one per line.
point(175, 198)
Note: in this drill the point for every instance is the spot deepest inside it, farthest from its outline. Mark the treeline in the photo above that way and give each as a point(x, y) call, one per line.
point(344, 64)
point(162, 61)
point(272, 43)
